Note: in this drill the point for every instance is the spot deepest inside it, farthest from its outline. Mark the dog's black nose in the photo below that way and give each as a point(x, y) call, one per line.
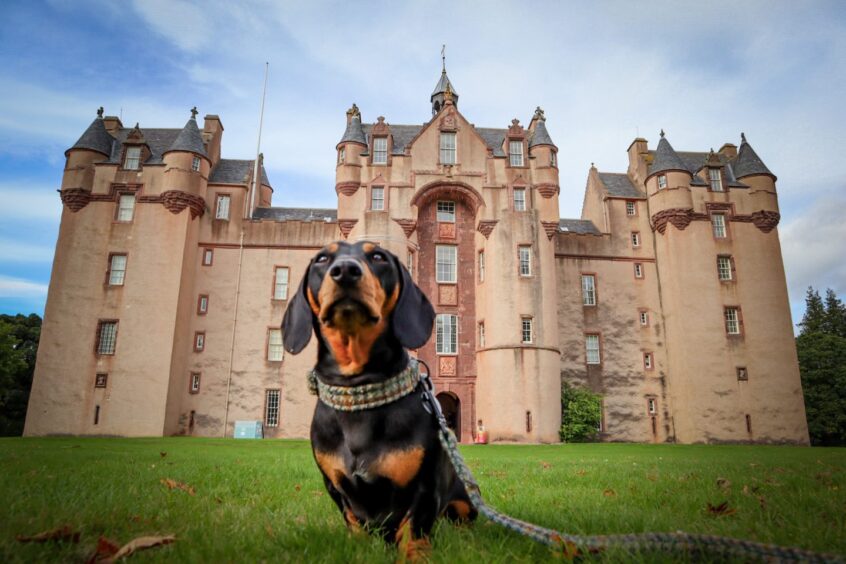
point(345, 272)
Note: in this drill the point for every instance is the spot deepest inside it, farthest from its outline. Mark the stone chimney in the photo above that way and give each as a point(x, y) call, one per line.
point(728, 150)
point(112, 124)
point(212, 137)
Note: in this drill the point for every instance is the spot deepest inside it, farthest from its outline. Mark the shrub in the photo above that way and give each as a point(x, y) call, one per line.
point(581, 413)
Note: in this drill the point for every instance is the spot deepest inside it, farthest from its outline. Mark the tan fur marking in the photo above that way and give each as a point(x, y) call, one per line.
point(331, 465)
point(410, 549)
point(461, 508)
point(368, 247)
point(352, 521)
point(312, 302)
point(332, 248)
point(399, 466)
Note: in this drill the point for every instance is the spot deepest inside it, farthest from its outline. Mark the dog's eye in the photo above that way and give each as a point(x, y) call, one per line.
point(377, 257)
point(321, 259)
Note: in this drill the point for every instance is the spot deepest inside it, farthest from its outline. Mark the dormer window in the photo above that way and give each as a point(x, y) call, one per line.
point(716, 179)
point(662, 181)
point(515, 153)
point(448, 148)
point(380, 150)
point(132, 160)
point(342, 155)
point(195, 164)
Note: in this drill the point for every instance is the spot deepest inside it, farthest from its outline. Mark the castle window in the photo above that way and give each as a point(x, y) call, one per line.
point(733, 322)
point(377, 198)
point(515, 153)
point(445, 267)
point(195, 164)
point(208, 257)
point(742, 374)
point(280, 283)
point(132, 160)
point(97, 415)
point(652, 406)
point(662, 181)
point(409, 262)
point(528, 333)
point(724, 268)
point(643, 315)
point(716, 179)
point(524, 254)
point(481, 334)
point(447, 148)
point(553, 158)
point(635, 239)
point(748, 423)
point(342, 155)
point(222, 207)
point(638, 270)
point(117, 270)
point(647, 361)
point(202, 304)
point(519, 199)
point(199, 341)
point(481, 266)
point(271, 408)
point(592, 355)
point(630, 208)
point(106, 337)
point(274, 345)
point(718, 223)
point(100, 380)
point(446, 334)
point(194, 383)
point(380, 150)
point(588, 289)
point(446, 211)
point(126, 207)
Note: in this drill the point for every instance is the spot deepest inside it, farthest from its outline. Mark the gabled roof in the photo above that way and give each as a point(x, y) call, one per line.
point(540, 135)
point(158, 140)
point(235, 171)
point(695, 161)
point(354, 132)
point(189, 139)
point(296, 214)
point(577, 226)
point(748, 162)
point(95, 138)
point(665, 158)
point(620, 186)
point(403, 135)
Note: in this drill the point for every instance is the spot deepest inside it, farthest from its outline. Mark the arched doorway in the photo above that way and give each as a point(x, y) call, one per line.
point(451, 406)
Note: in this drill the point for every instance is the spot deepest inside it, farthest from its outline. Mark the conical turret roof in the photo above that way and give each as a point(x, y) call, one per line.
point(354, 133)
point(541, 135)
point(441, 87)
point(189, 139)
point(95, 138)
point(666, 158)
point(748, 162)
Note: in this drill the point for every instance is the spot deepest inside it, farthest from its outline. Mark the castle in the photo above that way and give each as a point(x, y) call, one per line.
point(172, 272)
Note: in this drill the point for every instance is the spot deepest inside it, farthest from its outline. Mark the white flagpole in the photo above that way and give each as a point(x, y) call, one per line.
point(256, 171)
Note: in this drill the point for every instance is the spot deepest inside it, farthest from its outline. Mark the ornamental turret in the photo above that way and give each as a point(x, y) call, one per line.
point(186, 159)
point(443, 90)
point(94, 146)
point(352, 144)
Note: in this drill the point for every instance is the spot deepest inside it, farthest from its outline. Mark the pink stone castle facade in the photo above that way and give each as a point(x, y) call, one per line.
point(668, 297)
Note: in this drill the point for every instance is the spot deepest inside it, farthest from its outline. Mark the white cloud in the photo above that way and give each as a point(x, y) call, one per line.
point(183, 23)
point(19, 288)
point(25, 200)
point(19, 251)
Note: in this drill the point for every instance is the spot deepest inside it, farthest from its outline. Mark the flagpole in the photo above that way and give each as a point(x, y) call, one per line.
point(256, 171)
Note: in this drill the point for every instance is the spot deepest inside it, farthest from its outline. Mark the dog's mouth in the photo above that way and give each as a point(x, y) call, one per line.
point(349, 314)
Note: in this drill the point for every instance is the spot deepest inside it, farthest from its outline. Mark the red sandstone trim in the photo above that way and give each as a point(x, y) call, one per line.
point(408, 225)
point(600, 257)
point(551, 228)
point(346, 226)
point(257, 246)
point(525, 346)
point(680, 218)
point(547, 190)
point(199, 301)
point(486, 227)
point(198, 348)
point(347, 188)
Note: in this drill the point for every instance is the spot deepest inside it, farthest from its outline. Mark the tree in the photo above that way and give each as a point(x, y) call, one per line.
point(19, 336)
point(581, 414)
point(821, 347)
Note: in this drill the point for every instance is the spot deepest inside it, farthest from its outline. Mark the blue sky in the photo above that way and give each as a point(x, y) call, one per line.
point(605, 72)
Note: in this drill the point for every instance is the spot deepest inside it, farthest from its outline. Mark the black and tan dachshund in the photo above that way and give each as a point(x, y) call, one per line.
point(384, 467)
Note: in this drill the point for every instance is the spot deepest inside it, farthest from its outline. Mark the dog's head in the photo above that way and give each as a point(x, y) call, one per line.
point(352, 296)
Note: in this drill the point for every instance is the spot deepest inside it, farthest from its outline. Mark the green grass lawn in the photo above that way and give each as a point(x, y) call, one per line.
point(264, 500)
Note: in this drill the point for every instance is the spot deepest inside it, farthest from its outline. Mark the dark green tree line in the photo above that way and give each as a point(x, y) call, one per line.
point(18, 345)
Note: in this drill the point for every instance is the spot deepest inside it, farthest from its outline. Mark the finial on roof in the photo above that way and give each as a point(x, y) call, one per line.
point(592, 165)
point(443, 58)
point(194, 112)
point(353, 111)
point(742, 137)
point(448, 93)
point(662, 133)
point(100, 112)
point(539, 114)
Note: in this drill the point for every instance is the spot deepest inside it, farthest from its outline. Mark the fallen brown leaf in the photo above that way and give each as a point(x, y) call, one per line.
point(762, 501)
point(609, 493)
point(297, 487)
point(162, 453)
point(724, 483)
point(174, 485)
point(721, 510)
point(59, 534)
point(141, 543)
point(106, 548)
point(545, 465)
point(652, 477)
point(580, 472)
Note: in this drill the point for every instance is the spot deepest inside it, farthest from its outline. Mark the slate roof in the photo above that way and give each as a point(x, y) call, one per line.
point(619, 185)
point(158, 140)
point(441, 86)
point(354, 132)
point(578, 226)
point(494, 138)
point(694, 161)
point(235, 171)
point(296, 214)
point(541, 135)
point(748, 162)
point(189, 139)
point(665, 158)
point(403, 135)
point(95, 138)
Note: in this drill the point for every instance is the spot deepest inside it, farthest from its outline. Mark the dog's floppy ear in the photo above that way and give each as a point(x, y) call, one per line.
point(296, 325)
point(413, 314)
